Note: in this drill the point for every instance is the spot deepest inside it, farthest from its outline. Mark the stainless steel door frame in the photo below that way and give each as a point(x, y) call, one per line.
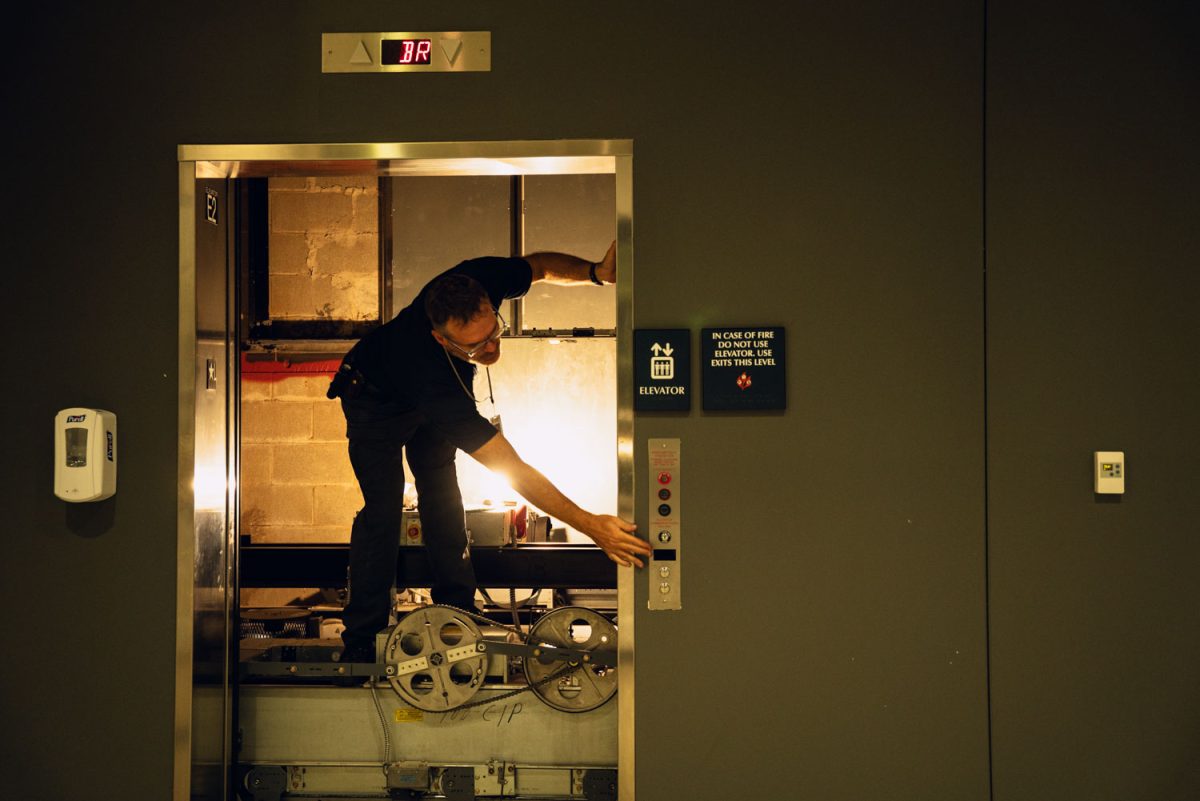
point(198, 162)
point(208, 431)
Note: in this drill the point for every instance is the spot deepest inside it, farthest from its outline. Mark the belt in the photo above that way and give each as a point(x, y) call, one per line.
point(349, 383)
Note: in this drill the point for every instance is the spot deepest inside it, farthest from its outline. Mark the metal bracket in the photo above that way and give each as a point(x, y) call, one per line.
point(600, 785)
point(316, 661)
point(307, 662)
point(408, 776)
point(457, 783)
point(549, 653)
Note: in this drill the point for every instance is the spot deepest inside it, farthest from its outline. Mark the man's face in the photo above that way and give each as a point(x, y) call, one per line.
point(477, 340)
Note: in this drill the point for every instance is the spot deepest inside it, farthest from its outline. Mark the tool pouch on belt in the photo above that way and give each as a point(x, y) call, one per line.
point(347, 383)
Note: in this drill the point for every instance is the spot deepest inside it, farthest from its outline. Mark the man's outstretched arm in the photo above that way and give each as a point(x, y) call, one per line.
point(562, 268)
point(614, 535)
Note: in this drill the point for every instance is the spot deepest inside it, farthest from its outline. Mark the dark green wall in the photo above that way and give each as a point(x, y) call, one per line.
point(832, 643)
point(830, 179)
point(1092, 328)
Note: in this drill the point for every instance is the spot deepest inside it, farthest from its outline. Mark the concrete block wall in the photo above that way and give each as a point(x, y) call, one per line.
point(296, 480)
point(324, 248)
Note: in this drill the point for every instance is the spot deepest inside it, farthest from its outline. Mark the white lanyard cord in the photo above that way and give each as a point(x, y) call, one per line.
point(486, 369)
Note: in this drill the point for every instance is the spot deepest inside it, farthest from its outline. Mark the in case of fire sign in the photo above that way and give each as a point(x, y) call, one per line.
point(743, 367)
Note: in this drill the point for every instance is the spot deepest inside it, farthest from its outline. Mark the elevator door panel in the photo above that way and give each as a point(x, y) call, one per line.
point(211, 722)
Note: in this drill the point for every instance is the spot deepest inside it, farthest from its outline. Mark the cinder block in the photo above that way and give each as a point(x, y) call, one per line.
point(302, 297)
point(329, 424)
point(305, 387)
point(288, 184)
point(335, 504)
point(288, 253)
point(351, 253)
point(344, 183)
point(357, 296)
point(311, 463)
point(308, 212)
point(255, 466)
point(366, 213)
point(255, 386)
point(277, 505)
point(276, 421)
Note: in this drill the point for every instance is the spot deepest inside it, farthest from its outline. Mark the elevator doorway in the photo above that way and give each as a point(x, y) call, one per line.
point(214, 298)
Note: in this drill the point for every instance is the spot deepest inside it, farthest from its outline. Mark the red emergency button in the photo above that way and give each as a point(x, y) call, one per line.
point(413, 532)
point(664, 477)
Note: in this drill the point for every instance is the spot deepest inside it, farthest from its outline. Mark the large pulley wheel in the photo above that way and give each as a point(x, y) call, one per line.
point(583, 686)
point(433, 660)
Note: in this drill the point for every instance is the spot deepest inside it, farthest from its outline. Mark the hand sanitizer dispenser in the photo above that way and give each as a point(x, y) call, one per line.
point(85, 455)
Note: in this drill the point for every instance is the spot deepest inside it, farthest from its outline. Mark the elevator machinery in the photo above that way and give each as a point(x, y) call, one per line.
point(521, 702)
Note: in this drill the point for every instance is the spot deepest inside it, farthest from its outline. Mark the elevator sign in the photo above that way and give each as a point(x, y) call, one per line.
point(743, 368)
point(662, 369)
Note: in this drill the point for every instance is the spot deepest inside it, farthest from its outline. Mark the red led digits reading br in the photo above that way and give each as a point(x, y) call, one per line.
point(405, 52)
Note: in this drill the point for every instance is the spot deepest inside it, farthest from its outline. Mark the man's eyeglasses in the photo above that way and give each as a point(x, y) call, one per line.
point(470, 350)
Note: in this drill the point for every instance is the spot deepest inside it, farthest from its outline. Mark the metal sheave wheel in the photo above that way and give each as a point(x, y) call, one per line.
point(588, 687)
point(434, 652)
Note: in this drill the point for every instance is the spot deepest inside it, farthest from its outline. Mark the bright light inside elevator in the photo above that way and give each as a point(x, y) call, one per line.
point(558, 405)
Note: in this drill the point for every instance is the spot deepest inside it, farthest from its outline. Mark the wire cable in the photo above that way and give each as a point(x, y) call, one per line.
point(387, 737)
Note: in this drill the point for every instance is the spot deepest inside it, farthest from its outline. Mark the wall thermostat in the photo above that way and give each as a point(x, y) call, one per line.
point(1110, 472)
point(85, 454)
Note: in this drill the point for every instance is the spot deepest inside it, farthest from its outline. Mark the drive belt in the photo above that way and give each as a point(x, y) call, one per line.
point(484, 648)
point(478, 618)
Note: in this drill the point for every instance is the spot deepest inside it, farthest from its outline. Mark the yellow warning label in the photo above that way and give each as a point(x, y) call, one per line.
point(409, 715)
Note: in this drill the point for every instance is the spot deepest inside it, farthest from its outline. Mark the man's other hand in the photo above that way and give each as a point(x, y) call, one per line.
point(606, 270)
point(615, 537)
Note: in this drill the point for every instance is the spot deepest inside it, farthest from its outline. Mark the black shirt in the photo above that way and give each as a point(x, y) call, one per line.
point(414, 375)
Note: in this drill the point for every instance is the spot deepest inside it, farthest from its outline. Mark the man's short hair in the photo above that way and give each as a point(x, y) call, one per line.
point(454, 297)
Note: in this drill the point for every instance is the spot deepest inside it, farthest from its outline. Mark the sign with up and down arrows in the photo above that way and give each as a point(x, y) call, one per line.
point(662, 369)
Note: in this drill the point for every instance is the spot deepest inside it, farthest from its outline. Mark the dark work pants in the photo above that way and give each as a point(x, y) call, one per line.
point(375, 536)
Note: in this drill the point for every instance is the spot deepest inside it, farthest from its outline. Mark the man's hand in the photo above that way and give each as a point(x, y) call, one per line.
point(606, 270)
point(615, 537)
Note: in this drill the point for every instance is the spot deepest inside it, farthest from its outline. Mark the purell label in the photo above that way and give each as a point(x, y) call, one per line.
point(76, 418)
point(110, 444)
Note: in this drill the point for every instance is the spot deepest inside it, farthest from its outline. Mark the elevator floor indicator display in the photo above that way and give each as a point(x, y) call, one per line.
point(407, 51)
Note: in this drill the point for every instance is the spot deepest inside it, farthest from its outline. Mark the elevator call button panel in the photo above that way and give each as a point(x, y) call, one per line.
point(664, 500)
point(407, 51)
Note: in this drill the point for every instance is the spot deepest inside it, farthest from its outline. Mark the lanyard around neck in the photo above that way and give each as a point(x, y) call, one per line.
point(491, 397)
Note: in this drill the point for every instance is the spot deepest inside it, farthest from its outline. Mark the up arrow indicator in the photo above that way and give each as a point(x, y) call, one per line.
point(361, 56)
